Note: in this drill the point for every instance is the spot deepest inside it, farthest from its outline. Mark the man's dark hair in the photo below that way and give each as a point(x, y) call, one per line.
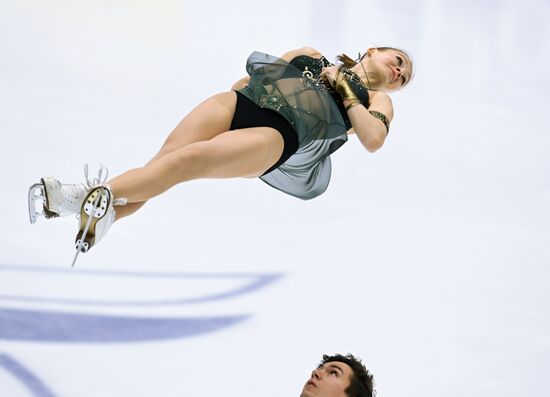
point(362, 382)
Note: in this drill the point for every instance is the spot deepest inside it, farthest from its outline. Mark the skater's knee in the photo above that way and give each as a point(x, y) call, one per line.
point(183, 161)
point(170, 146)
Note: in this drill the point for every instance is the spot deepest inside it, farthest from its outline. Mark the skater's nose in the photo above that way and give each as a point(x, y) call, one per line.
point(316, 374)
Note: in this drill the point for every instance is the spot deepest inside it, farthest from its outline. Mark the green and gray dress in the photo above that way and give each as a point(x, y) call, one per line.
point(315, 111)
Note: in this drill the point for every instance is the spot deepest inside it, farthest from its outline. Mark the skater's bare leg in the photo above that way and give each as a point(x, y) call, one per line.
point(207, 120)
point(128, 209)
point(241, 153)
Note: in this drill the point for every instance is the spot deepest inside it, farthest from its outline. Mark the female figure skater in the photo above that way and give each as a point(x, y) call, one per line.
point(280, 123)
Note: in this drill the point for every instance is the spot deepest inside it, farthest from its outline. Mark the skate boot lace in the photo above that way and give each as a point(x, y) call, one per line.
point(102, 175)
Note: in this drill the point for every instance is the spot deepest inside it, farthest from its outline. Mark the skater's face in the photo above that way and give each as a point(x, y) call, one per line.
point(328, 380)
point(389, 70)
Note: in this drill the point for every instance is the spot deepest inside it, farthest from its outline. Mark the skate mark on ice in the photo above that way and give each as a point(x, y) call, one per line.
point(32, 383)
point(50, 326)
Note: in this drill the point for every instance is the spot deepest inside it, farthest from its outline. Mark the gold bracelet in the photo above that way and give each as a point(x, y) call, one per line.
point(335, 82)
point(343, 88)
point(352, 104)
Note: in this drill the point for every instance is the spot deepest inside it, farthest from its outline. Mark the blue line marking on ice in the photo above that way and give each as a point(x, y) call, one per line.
point(25, 376)
point(49, 326)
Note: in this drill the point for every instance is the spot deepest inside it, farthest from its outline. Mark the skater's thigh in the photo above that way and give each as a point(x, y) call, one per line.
point(247, 152)
point(207, 120)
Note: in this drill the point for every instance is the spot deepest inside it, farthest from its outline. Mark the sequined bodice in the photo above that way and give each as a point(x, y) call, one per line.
point(312, 67)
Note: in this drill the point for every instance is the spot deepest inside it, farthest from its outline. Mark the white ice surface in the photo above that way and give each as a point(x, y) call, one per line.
point(429, 259)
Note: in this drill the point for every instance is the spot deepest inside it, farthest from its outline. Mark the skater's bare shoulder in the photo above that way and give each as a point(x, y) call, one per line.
point(309, 51)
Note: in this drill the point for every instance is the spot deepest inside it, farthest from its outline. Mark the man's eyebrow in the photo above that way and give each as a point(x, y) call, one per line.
point(335, 366)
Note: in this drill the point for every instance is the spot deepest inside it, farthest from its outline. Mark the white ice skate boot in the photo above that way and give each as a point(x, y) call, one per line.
point(60, 199)
point(97, 214)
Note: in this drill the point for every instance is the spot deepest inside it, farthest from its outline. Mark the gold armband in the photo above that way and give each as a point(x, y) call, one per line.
point(382, 117)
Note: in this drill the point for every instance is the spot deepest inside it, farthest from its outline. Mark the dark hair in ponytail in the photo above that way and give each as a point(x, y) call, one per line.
point(346, 61)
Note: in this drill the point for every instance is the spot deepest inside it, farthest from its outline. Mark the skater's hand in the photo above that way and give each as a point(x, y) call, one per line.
point(329, 74)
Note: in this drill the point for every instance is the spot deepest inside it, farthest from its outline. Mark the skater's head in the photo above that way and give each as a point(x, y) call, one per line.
point(382, 68)
point(339, 376)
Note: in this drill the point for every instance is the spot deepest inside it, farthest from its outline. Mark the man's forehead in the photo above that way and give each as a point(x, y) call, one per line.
point(343, 367)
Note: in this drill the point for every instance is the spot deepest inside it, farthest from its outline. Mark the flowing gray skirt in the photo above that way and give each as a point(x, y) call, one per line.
point(313, 113)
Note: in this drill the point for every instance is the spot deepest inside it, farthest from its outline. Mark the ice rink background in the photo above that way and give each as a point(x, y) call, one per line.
point(428, 259)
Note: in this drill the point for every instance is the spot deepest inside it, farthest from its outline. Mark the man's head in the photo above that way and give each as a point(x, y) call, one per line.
point(339, 376)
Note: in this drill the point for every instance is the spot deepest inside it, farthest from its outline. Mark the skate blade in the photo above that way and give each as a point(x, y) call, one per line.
point(93, 210)
point(36, 195)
